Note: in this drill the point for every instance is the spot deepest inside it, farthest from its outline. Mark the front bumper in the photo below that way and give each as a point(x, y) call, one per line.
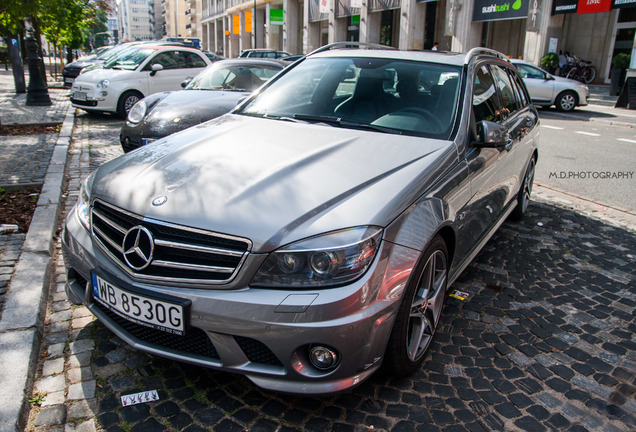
point(264, 334)
point(87, 96)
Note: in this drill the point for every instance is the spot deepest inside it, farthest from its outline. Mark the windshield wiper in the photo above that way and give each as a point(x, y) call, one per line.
point(338, 121)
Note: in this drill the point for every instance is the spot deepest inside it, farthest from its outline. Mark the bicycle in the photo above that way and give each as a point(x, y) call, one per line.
point(582, 70)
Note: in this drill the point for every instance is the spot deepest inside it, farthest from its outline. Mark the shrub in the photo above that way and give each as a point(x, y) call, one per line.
point(550, 60)
point(621, 61)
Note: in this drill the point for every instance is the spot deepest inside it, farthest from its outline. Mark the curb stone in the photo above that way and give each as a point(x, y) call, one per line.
point(22, 322)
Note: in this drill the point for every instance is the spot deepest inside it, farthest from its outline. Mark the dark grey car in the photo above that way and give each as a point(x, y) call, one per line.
point(212, 93)
point(308, 237)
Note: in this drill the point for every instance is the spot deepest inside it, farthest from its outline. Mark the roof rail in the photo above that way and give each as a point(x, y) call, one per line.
point(479, 50)
point(343, 45)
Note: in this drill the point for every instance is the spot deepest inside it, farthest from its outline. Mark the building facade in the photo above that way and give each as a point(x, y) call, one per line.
point(595, 30)
point(182, 18)
point(136, 20)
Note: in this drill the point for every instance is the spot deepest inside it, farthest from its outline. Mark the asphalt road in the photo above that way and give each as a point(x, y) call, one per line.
point(590, 159)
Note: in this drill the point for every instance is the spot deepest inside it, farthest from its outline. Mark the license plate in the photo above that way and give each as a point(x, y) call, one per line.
point(80, 96)
point(145, 141)
point(69, 80)
point(147, 311)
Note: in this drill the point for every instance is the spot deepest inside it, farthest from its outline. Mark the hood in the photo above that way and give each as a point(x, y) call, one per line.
point(183, 109)
point(273, 181)
point(96, 75)
point(567, 81)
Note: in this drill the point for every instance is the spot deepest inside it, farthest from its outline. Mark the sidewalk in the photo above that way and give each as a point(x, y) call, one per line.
point(27, 278)
point(25, 260)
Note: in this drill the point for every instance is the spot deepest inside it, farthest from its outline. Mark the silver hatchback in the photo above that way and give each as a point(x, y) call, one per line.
point(547, 89)
point(309, 237)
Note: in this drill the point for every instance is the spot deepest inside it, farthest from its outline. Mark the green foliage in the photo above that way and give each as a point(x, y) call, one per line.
point(37, 399)
point(621, 61)
point(550, 60)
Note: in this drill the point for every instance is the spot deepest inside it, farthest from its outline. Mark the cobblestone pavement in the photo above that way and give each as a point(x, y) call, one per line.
point(13, 108)
point(25, 158)
point(546, 340)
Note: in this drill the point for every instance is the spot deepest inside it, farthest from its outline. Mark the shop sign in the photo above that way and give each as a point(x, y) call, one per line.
point(495, 10)
point(449, 28)
point(236, 24)
point(276, 16)
point(564, 6)
point(355, 3)
point(594, 6)
point(324, 6)
point(534, 18)
point(619, 4)
point(248, 21)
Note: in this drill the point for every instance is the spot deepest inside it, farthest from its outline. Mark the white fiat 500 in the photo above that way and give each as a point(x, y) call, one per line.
point(135, 74)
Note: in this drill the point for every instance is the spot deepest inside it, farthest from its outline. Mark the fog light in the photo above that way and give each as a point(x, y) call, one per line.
point(323, 358)
point(103, 93)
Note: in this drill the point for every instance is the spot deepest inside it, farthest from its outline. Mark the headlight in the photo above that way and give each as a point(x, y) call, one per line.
point(103, 84)
point(330, 259)
point(83, 206)
point(137, 112)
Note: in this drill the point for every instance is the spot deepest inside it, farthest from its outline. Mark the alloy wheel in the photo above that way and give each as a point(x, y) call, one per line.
point(426, 307)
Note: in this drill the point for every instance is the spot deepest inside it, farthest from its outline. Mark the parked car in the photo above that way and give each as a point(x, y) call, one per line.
point(310, 235)
point(264, 53)
point(72, 70)
point(213, 57)
point(137, 73)
point(547, 89)
point(212, 93)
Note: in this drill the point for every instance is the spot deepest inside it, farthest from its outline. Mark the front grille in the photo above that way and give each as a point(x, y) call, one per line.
point(180, 254)
point(84, 103)
point(195, 341)
point(256, 351)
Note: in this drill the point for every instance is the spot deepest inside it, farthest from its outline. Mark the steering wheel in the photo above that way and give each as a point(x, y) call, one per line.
point(426, 114)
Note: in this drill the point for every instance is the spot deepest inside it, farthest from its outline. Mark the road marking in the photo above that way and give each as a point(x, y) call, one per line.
point(627, 140)
point(551, 127)
point(587, 133)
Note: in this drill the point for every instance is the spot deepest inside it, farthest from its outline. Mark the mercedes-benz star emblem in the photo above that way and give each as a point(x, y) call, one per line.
point(138, 246)
point(160, 200)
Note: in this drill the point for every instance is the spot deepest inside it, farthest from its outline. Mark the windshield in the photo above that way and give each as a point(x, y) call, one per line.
point(393, 96)
point(129, 60)
point(233, 77)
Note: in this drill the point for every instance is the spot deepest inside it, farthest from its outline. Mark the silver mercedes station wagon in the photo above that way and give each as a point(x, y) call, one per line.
point(308, 237)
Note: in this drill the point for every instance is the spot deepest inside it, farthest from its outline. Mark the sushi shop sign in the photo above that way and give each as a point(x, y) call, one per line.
point(495, 10)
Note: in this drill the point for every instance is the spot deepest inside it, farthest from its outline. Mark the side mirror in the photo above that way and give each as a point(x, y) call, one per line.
point(155, 68)
point(492, 135)
point(185, 82)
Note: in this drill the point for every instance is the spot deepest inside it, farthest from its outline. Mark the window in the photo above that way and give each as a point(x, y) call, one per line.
point(192, 60)
point(519, 87)
point(169, 60)
point(530, 71)
point(485, 100)
point(506, 91)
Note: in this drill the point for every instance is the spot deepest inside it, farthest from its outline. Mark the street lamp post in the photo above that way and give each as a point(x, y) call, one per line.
point(255, 25)
point(37, 91)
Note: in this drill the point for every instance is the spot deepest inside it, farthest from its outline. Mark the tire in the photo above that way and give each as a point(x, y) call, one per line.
point(566, 101)
point(126, 102)
point(573, 74)
point(419, 312)
point(588, 74)
point(523, 197)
